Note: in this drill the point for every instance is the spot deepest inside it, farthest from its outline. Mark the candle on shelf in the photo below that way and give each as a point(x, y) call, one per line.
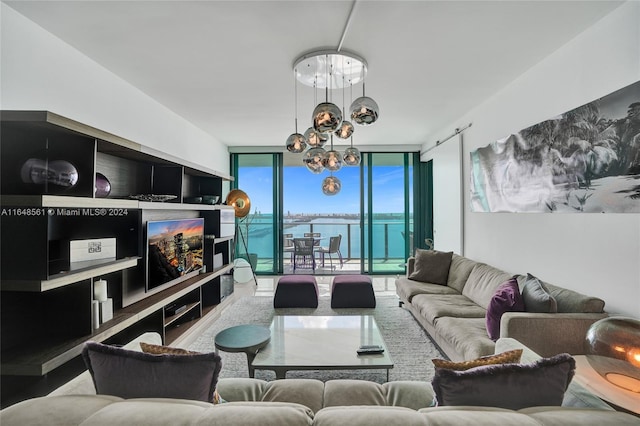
point(100, 290)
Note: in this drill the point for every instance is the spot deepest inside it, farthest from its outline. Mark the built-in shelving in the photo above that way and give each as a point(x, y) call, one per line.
point(46, 298)
point(61, 280)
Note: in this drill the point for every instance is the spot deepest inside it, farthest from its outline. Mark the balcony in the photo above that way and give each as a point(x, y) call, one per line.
point(388, 245)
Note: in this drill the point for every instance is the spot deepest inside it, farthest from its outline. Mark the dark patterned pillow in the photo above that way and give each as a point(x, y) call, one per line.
point(431, 266)
point(131, 374)
point(164, 350)
point(502, 358)
point(511, 386)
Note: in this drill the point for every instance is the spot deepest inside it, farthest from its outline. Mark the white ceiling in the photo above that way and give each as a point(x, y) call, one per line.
point(226, 66)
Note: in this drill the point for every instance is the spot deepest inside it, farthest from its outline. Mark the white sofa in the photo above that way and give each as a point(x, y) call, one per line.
point(297, 402)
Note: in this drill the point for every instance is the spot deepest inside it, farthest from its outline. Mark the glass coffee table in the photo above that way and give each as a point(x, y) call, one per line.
point(321, 343)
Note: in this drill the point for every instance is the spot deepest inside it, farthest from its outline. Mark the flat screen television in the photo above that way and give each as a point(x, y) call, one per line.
point(174, 250)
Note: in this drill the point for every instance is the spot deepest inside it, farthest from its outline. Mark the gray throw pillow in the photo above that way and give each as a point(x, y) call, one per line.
point(537, 297)
point(131, 374)
point(511, 386)
point(431, 266)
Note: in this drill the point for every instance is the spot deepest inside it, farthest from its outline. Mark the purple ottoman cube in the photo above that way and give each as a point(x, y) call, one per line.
point(352, 291)
point(296, 291)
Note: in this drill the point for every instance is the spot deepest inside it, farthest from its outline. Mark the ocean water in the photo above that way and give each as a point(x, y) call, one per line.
point(388, 239)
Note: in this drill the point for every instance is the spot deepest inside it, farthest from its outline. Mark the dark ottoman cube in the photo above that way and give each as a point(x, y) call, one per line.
point(352, 291)
point(296, 291)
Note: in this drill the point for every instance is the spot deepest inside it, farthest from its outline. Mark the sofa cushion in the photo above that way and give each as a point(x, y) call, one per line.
point(483, 282)
point(467, 335)
point(55, 410)
point(507, 298)
point(473, 416)
point(368, 416)
point(353, 392)
point(501, 358)
point(432, 306)
point(459, 271)
point(132, 374)
point(570, 301)
point(536, 296)
point(431, 266)
point(149, 412)
point(512, 386)
point(253, 413)
point(414, 394)
point(407, 289)
point(307, 392)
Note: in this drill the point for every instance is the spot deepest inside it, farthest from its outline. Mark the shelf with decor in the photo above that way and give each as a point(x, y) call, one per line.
point(65, 184)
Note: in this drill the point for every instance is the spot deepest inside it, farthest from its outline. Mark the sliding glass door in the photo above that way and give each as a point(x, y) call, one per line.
point(387, 211)
point(373, 214)
point(258, 176)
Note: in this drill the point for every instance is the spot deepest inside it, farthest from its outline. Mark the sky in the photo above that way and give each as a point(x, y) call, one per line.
point(303, 192)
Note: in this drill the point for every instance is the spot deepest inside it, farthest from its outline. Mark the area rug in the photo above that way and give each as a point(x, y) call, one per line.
point(410, 346)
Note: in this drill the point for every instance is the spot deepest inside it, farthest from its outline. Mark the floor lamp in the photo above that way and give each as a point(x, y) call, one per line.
point(241, 207)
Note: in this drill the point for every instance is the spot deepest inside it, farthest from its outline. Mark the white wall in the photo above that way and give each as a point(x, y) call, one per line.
point(595, 254)
point(41, 72)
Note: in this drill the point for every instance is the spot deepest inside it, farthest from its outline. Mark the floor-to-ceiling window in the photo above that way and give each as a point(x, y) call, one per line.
point(373, 213)
point(387, 211)
point(257, 175)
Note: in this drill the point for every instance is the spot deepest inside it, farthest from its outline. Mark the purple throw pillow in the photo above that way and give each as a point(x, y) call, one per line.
point(507, 298)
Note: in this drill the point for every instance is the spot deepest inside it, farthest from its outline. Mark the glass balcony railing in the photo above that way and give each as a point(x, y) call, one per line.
point(388, 244)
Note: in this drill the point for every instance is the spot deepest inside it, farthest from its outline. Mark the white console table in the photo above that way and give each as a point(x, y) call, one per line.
point(599, 386)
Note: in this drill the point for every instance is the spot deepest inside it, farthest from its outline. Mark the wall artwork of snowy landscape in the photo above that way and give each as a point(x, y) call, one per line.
point(585, 160)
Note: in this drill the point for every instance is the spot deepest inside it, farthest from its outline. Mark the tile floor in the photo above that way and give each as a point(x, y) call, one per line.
point(382, 286)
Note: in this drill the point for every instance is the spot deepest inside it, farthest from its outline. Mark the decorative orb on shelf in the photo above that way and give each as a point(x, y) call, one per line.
point(103, 186)
point(612, 347)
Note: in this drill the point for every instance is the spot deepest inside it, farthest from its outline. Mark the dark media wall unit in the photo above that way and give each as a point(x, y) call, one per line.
point(48, 170)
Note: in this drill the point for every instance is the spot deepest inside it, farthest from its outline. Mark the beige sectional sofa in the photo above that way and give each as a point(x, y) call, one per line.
point(454, 314)
point(301, 402)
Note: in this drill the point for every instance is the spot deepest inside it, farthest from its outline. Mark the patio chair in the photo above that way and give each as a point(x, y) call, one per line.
point(334, 248)
point(303, 253)
point(288, 245)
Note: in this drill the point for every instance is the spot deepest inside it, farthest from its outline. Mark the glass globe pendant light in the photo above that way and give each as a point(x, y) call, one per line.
point(346, 128)
point(313, 159)
point(331, 185)
point(296, 142)
point(327, 117)
point(364, 110)
point(315, 139)
point(332, 160)
point(351, 155)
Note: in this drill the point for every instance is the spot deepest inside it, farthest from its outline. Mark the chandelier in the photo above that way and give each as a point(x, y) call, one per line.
point(331, 70)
